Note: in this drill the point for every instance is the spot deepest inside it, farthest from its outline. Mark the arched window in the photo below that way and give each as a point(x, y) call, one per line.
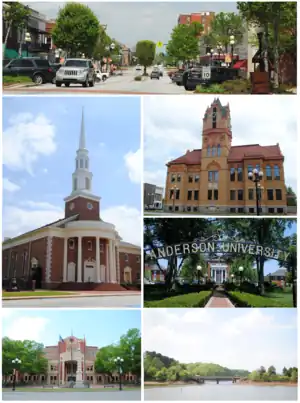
point(214, 118)
point(219, 150)
point(208, 151)
point(232, 174)
point(276, 172)
point(268, 172)
point(87, 183)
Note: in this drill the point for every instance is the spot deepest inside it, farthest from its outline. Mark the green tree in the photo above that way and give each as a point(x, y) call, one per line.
point(255, 376)
point(104, 362)
point(279, 18)
point(103, 41)
point(291, 197)
point(16, 16)
point(284, 371)
point(222, 27)
point(262, 370)
point(30, 353)
point(184, 42)
point(294, 375)
point(248, 272)
point(190, 267)
point(271, 370)
point(76, 29)
point(145, 53)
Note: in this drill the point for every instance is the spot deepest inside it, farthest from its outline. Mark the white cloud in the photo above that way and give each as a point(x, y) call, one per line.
point(26, 328)
point(127, 221)
point(133, 163)
point(9, 186)
point(171, 127)
point(41, 205)
point(26, 139)
point(226, 337)
point(8, 312)
point(18, 220)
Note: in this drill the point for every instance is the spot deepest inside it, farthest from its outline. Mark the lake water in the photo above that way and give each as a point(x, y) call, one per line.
point(223, 391)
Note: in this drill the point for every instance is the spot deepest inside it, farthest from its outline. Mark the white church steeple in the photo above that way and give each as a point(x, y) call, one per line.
point(82, 177)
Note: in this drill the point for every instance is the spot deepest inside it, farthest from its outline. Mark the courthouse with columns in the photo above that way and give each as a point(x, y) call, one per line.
point(80, 248)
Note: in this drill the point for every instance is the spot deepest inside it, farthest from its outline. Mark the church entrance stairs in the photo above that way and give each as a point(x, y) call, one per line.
point(219, 299)
point(70, 286)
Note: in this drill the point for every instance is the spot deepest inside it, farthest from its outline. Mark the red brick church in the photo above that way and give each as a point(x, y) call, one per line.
point(78, 251)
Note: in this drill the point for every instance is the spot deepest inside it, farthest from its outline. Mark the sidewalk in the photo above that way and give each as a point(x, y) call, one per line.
point(219, 300)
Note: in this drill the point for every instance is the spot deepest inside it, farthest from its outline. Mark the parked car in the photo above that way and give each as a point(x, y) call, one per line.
point(100, 76)
point(76, 71)
point(39, 70)
point(177, 77)
point(207, 75)
point(161, 70)
point(155, 74)
point(138, 67)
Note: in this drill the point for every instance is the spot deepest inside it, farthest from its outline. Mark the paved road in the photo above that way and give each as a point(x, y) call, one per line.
point(130, 301)
point(129, 395)
point(118, 84)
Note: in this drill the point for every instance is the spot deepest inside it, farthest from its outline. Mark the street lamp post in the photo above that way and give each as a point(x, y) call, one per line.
point(15, 362)
point(210, 53)
point(241, 273)
point(119, 362)
point(256, 176)
point(109, 48)
point(232, 277)
point(174, 188)
point(199, 268)
point(232, 42)
point(27, 40)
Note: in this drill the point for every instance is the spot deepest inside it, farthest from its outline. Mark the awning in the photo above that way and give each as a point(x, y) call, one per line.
point(241, 64)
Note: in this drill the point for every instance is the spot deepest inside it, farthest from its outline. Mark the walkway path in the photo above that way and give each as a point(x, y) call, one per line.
point(219, 300)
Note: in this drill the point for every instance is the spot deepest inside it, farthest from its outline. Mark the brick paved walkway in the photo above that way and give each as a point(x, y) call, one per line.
point(219, 302)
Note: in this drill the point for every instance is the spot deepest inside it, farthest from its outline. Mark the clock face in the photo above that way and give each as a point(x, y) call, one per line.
point(90, 206)
point(72, 205)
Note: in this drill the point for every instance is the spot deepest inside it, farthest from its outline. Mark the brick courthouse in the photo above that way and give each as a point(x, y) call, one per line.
point(80, 250)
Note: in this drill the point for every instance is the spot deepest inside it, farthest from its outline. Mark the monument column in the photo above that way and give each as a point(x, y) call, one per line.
point(65, 268)
point(98, 275)
point(79, 261)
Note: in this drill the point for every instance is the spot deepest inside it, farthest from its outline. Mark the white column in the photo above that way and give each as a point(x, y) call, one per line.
point(118, 265)
point(65, 268)
point(114, 262)
point(107, 276)
point(98, 276)
point(111, 261)
point(79, 261)
point(215, 275)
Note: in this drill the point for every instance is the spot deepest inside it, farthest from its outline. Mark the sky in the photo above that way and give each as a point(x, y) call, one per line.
point(130, 22)
point(171, 127)
point(234, 338)
point(40, 139)
point(99, 327)
point(270, 265)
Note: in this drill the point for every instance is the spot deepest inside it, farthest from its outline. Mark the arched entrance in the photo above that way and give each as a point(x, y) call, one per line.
point(70, 371)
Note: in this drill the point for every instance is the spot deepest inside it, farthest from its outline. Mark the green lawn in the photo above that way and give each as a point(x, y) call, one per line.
point(16, 80)
point(35, 293)
point(282, 297)
point(25, 389)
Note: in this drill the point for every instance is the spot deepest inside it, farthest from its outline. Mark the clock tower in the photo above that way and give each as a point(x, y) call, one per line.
point(81, 200)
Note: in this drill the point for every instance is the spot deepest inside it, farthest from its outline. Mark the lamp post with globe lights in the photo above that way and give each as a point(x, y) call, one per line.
point(219, 48)
point(119, 363)
point(232, 277)
point(199, 268)
point(15, 363)
point(256, 176)
point(232, 43)
point(210, 53)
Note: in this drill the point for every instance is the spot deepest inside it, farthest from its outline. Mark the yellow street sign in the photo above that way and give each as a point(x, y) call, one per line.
point(159, 44)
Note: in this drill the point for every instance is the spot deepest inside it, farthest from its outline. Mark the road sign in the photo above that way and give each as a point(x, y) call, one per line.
point(159, 44)
point(206, 72)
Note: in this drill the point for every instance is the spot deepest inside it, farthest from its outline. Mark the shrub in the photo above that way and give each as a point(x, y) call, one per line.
point(211, 89)
point(195, 300)
point(253, 301)
point(138, 78)
point(237, 86)
point(249, 288)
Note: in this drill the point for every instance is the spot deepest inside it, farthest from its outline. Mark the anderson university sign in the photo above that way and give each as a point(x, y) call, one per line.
point(215, 245)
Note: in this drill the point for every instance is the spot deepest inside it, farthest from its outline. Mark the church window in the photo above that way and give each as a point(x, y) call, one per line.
point(268, 172)
point(208, 151)
point(81, 163)
point(276, 172)
point(71, 243)
point(214, 118)
point(90, 206)
point(232, 174)
point(90, 246)
point(126, 257)
point(219, 150)
point(87, 183)
point(75, 184)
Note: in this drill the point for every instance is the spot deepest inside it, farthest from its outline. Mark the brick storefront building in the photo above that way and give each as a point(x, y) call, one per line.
point(205, 18)
point(215, 178)
point(64, 360)
point(78, 249)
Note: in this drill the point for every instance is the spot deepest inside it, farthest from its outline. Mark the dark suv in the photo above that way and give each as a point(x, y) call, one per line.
point(39, 70)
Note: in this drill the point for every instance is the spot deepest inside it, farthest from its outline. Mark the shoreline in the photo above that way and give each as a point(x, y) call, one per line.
point(250, 383)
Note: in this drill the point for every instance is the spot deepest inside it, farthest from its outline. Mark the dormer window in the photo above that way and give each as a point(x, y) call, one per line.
point(214, 118)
